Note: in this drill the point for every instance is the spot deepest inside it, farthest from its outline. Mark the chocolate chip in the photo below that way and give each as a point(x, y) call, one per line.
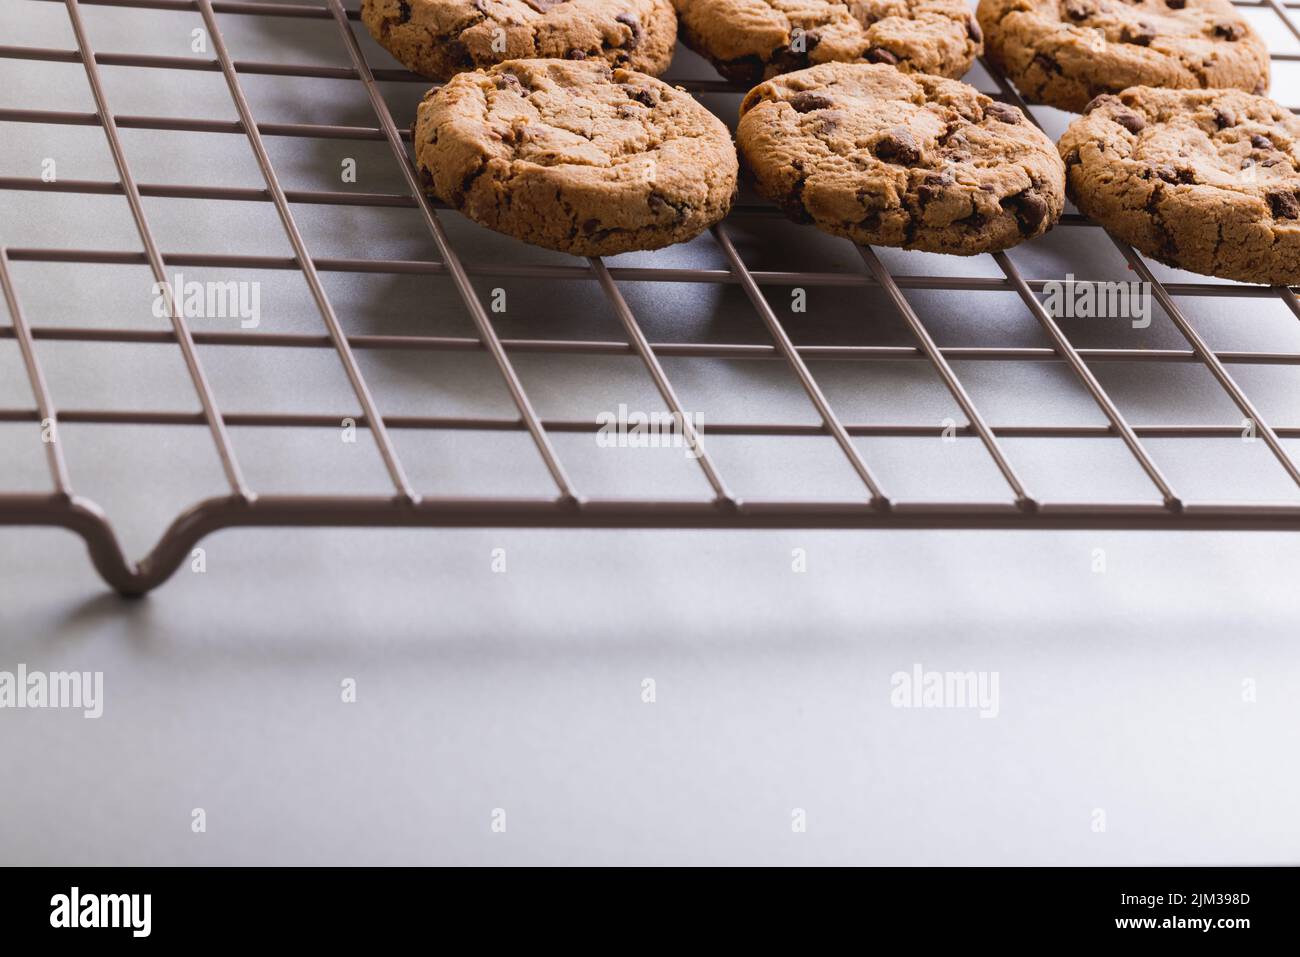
point(1175, 4)
point(1168, 246)
point(457, 52)
point(933, 187)
point(630, 21)
point(909, 228)
point(975, 220)
point(973, 31)
point(926, 194)
point(1078, 10)
point(828, 123)
point(507, 81)
point(467, 182)
point(787, 60)
point(1140, 34)
point(403, 12)
point(1072, 157)
point(1130, 121)
point(1229, 31)
point(1046, 63)
point(1002, 112)
point(576, 55)
point(1284, 205)
point(806, 101)
point(1030, 210)
point(1171, 174)
point(1097, 101)
point(898, 146)
point(1261, 142)
point(793, 206)
point(880, 55)
point(1224, 118)
point(659, 202)
point(640, 94)
point(1152, 204)
point(871, 220)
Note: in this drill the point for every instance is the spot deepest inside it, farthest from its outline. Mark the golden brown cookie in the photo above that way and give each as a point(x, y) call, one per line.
point(894, 159)
point(574, 156)
point(440, 38)
point(1065, 52)
point(753, 40)
point(1208, 180)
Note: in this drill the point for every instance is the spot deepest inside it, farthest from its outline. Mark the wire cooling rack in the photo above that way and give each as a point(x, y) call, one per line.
point(884, 290)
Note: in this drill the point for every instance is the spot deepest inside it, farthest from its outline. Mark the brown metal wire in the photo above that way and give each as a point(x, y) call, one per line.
point(449, 258)
point(941, 366)
point(86, 56)
point(1065, 348)
point(44, 404)
point(643, 349)
point(1199, 346)
point(569, 508)
point(829, 420)
point(303, 259)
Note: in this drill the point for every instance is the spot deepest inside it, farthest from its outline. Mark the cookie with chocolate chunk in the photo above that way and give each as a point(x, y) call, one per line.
point(753, 40)
point(1065, 52)
point(893, 159)
point(1206, 180)
point(440, 38)
point(574, 156)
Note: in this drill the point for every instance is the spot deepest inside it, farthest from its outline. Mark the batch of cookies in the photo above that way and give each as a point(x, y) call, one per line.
point(550, 125)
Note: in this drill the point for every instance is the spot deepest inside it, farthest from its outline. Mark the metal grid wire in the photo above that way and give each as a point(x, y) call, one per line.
point(567, 506)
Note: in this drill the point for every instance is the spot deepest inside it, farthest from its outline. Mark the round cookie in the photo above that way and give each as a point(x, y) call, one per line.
point(1065, 52)
point(440, 38)
point(1207, 180)
point(574, 156)
point(753, 40)
point(894, 159)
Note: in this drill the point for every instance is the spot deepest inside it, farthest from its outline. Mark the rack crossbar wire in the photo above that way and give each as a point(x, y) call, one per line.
point(567, 506)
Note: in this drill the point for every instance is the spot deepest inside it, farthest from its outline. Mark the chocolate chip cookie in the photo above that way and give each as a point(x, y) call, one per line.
point(440, 38)
point(753, 40)
point(1207, 180)
point(1065, 52)
point(574, 156)
point(895, 159)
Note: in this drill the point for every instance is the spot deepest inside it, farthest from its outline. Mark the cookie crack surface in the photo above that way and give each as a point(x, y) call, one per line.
point(1209, 181)
point(899, 159)
point(749, 40)
point(1064, 53)
point(579, 157)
